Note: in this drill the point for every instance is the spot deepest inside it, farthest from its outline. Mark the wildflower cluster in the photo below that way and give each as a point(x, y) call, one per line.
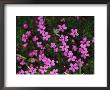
point(41, 28)
point(53, 47)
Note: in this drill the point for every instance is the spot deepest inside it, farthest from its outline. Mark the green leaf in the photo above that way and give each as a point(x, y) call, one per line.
point(56, 32)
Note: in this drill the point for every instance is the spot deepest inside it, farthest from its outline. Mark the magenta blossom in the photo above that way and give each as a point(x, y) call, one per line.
point(52, 63)
point(74, 32)
point(73, 67)
point(33, 53)
point(85, 41)
point(41, 27)
point(40, 17)
point(72, 58)
point(62, 28)
point(53, 45)
point(83, 47)
point(41, 31)
point(21, 72)
point(75, 48)
point(41, 56)
point(63, 38)
point(25, 26)
point(80, 62)
point(54, 71)
point(22, 62)
point(84, 55)
point(55, 49)
point(64, 47)
point(24, 38)
point(39, 44)
point(28, 33)
point(32, 70)
point(35, 38)
point(42, 69)
point(18, 59)
point(25, 45)
point(48, 62)
point(70, 53)
point(84, 52)
point(46, 36)
point(66, 53)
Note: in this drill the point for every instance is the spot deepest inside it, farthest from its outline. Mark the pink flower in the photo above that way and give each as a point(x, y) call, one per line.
point(21, 72)
point(64, 47)
point(83, 47)
point(74, 32)
point(52, 63)
point(26, 72)
point(80, 62)
point(25, 45)
point(42, 69)
point(28, 33)
point(88, 43)
point(53, 45)
point(46, 36)
point(24, 38)
point(84, 55)
point(83, 50)
point(39, 44)
point(41, 56)
point(72, 58)
point(45, 59)
point(22, 62)
point(65, 53)
point(48, 62)
point(62, 28)
point(41, 27)
point(41, 31)
point(75, 48)
point(40, 17)
point(18, 59)
point(73, 67)
point(85, 42)
point(70, 53)
point(35, 38)
point(54, 71)
point(41, 22)
point(33, 53)
point(63, 38)
point(41, 52)
point(32, 70)
point(55, 49)
point(25, 26)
